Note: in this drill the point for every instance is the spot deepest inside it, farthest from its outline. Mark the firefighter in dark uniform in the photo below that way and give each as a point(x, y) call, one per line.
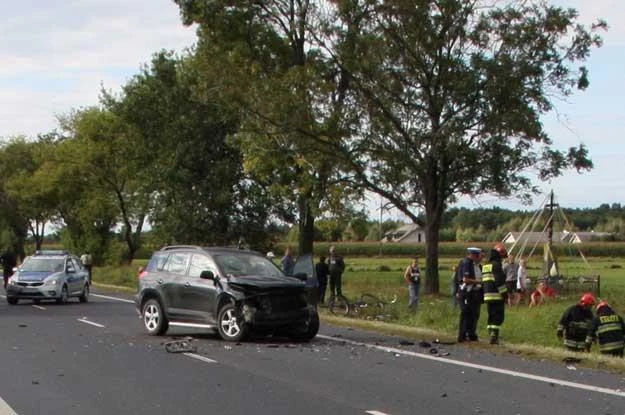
point(469, 294)
point(495, 291)
point(576, 323)
point(608, 329)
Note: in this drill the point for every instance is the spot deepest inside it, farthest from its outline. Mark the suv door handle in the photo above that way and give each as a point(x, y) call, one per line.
point(160, 281)
point(186, 284)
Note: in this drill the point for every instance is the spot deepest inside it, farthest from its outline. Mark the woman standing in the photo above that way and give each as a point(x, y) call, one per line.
point(412, 275)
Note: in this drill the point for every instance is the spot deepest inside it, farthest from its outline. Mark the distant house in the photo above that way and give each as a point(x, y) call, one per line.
point(563, 237)
point(407, 234)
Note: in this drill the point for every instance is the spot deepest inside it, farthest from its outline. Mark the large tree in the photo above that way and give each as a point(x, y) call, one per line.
point(451, 94)
point(268, 61)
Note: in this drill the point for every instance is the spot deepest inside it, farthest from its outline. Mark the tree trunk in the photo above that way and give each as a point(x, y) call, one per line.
point(433, 217)
point(306, 227)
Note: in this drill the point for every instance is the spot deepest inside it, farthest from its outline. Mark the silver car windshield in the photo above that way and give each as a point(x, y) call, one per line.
point(43, 265)
point(240, 264)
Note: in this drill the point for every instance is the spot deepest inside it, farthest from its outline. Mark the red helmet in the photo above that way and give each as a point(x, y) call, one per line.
point(602, 304)
point(587, 299)
point(501, 248)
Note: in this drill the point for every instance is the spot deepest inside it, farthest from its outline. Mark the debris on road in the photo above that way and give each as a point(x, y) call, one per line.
point(180, 346)
point(406, 343)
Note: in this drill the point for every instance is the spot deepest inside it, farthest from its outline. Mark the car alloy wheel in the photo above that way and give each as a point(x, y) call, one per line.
point(230, 327)
point(153, 318)
point(64, 296)
point(84, 297)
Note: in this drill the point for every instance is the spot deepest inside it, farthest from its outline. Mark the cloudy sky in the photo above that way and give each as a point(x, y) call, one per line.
point(54, 56)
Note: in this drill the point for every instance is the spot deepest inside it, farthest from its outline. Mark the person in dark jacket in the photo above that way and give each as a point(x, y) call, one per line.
point(322, 270)
point(576, 323)
point(469, 294)
point(608, 329)
point(495, 291)
point(9, 261)
point(337, 267)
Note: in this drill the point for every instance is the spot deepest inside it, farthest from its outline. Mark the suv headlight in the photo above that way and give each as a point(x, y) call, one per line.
point(51, 281)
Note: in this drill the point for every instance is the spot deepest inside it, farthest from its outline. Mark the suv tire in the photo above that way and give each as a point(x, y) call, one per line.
point(230, 326)
point(154, 318)
point(309, 332)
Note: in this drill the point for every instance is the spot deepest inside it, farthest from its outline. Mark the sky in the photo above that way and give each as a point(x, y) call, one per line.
point(56, 56)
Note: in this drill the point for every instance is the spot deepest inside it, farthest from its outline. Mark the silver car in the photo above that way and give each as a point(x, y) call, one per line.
point(49, 275)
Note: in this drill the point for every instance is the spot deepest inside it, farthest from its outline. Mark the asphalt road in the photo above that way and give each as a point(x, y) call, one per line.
point(95, 358)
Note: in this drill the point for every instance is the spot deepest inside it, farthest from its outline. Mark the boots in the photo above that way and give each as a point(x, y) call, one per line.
point(494, 336)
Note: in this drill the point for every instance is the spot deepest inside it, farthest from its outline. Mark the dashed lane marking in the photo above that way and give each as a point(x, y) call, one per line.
point(607, 391)
point(84, 320)
point(123, 300)
point(39, 307)
point(376, 413)
point(199, 357)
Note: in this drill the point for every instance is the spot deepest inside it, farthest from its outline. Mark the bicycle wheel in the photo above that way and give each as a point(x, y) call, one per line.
point(338, 304)
point(372, 302)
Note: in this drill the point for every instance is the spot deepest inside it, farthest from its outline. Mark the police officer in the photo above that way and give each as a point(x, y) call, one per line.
point(469, 294)
point(576, 323)
point(495, 291)
point(608, 329)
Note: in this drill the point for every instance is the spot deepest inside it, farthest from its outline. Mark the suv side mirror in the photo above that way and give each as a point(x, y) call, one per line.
point(207, 275)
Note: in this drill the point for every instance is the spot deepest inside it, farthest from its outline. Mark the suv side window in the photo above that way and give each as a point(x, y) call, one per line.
point(177, 263)
point(201, 263)
point(70, 265)
point(157, 262)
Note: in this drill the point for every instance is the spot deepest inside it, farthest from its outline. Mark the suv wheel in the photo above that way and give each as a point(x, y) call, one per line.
point(154, 318)
point(84, 297)
point(230, 326)
point(308, 331)
point(64, 296)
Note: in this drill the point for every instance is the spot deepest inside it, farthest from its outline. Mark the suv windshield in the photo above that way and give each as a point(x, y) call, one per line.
point(240, 263)
point(43, 265)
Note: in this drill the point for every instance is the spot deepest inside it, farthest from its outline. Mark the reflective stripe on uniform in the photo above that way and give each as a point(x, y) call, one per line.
point(609, 327)
point(493, 327)
point(492, 297)
point(611, 346)
point(575, 344)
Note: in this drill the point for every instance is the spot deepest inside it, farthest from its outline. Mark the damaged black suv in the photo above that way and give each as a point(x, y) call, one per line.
point(231, 291)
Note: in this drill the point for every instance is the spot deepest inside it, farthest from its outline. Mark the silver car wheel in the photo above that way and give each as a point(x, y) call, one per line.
point(151, 317)
point(229, 324)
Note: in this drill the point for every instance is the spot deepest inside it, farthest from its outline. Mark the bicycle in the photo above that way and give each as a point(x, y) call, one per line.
point(365, 306)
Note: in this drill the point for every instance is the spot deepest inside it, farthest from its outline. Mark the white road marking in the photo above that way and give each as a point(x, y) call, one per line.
point(123, 300)
point(83, 320)
point(199, 357)
point(376, 413)
point(607, 391)
point(3, 296)
point(5, 409)
point(39, 307)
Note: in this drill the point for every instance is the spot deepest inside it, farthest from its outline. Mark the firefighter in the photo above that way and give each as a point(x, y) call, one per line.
point(608, 329)
point(576, 323)
point(495, 291)
point(469, 294)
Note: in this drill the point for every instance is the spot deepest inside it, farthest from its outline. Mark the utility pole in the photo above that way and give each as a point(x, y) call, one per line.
point(550, 258)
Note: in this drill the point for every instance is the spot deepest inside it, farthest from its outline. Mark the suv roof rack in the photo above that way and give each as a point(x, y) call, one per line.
point(51, 252)
point(170, 247)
